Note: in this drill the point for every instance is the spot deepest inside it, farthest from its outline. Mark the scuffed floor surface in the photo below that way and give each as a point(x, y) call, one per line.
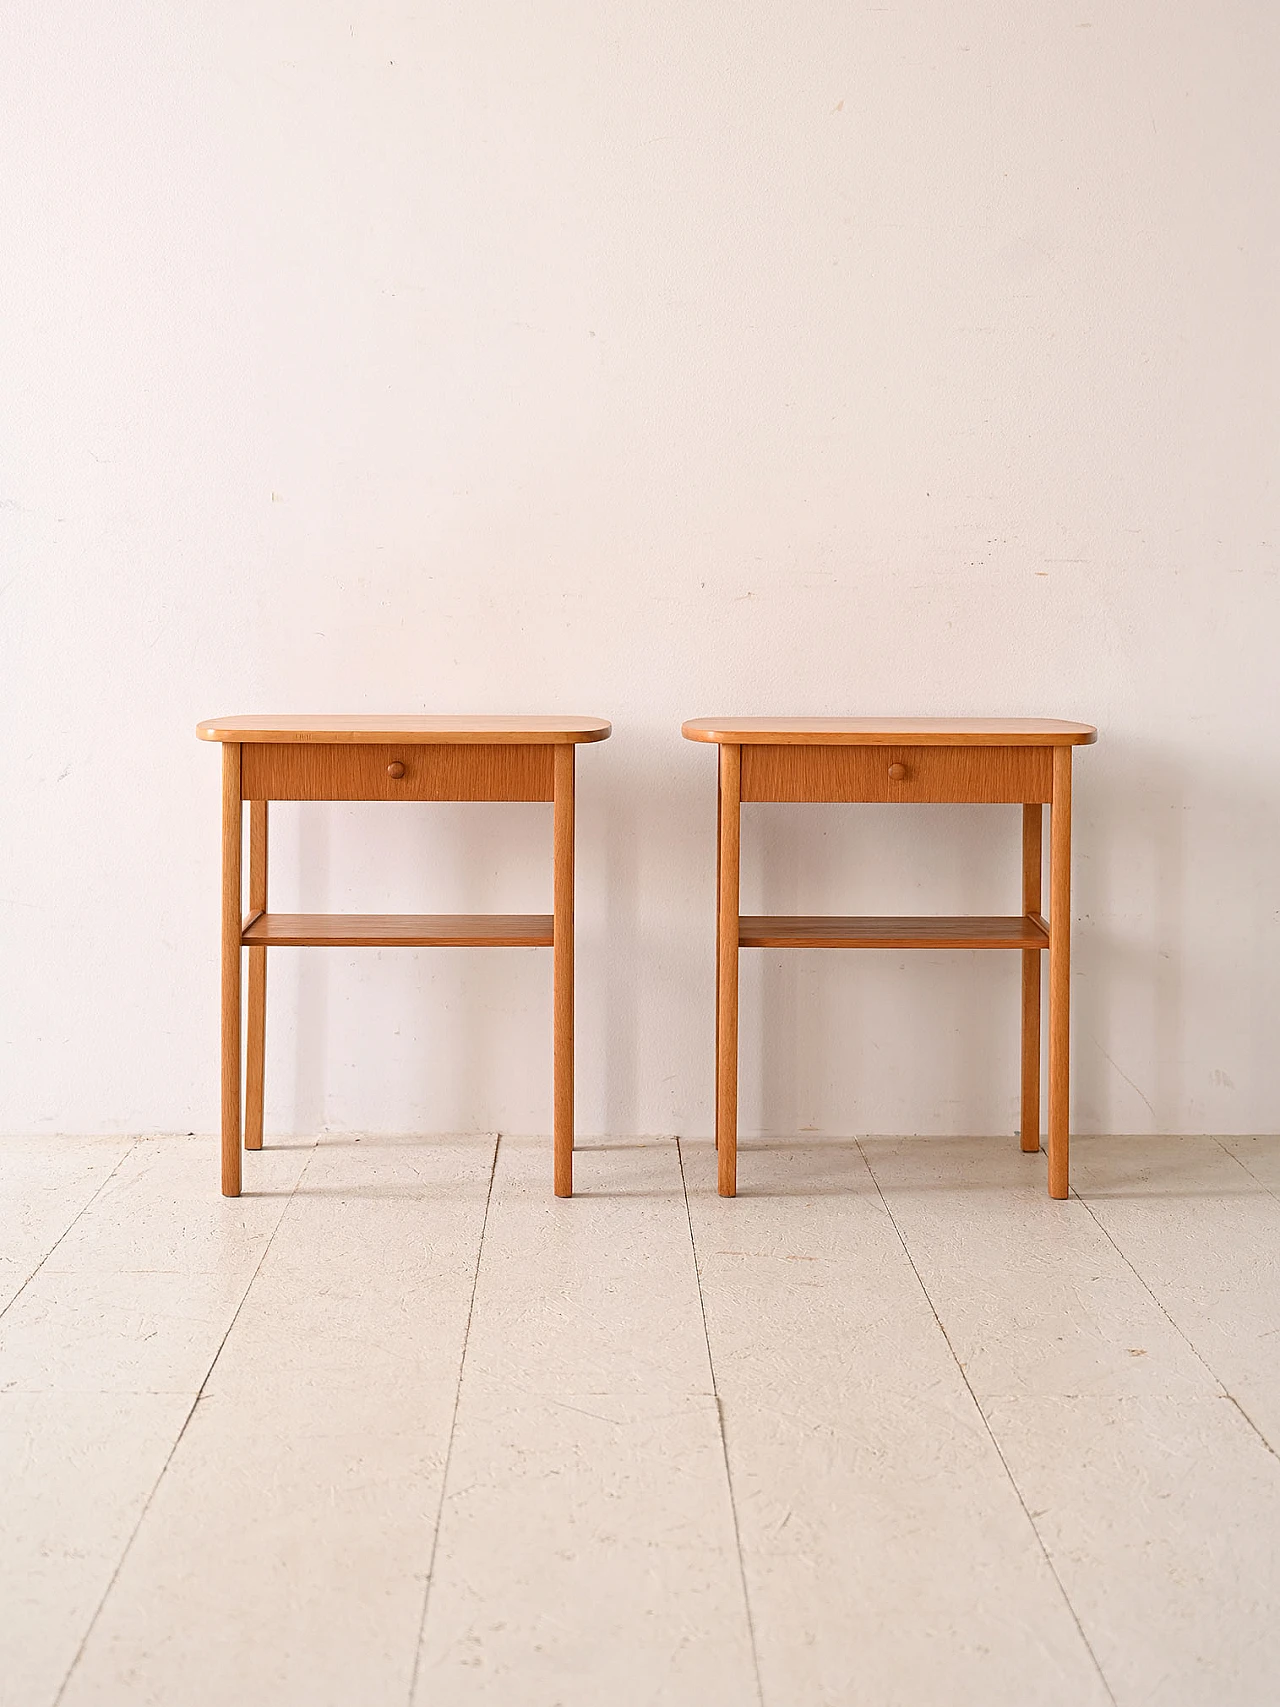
point(397, 1429)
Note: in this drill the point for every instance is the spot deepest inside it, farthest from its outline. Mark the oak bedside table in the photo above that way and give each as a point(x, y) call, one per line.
point(1020, 761)
point(386, 758)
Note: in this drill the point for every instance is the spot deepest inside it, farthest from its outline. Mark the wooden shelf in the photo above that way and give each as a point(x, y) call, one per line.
point(397, 930)
point(926, 932)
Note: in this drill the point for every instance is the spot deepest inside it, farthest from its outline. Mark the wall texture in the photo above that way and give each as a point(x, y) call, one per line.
point(647, 360)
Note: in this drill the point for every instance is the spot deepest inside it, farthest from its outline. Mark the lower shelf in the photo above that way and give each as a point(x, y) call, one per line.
point(941, 932)
point(398, 930)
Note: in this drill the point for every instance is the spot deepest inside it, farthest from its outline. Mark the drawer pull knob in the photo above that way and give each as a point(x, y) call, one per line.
point(396, 769)
point(897, 773)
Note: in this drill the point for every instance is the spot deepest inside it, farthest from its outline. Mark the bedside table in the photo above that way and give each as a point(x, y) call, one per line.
point(900, 760)
point(386, 758)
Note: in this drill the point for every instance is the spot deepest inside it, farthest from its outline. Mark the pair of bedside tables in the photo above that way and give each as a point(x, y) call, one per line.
point(1008, 761)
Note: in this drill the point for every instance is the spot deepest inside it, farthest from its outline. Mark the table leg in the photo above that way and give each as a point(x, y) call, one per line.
point(1060, 974)
point(255, 1042)
point(1032, 861)
point(231, 928)
point(562, 975)
point(719, 822)
point(727, 971)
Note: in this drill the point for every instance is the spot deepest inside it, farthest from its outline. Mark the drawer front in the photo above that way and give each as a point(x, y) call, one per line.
point(416, 771)
point(993, 775)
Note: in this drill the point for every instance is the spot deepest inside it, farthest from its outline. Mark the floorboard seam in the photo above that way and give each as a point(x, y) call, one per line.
point(1199, 1356)
point(724, 1443)
point(986, 1423)
point(1253, 1425)
point(1240, 1162)
point(453, 1427)
point(84, 1208)
point(186, 1423)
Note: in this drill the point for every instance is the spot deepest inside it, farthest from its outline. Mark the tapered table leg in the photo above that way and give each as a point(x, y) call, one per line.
point(1032, 860)
point(231, 928)
point(1060, 974)
point(255, 1042)
point(562, 975)
point(719, 821)
point(727, 971)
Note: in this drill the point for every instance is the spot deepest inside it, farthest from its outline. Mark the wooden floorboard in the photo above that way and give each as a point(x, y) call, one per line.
point(586, 1549)
point(890, 1426)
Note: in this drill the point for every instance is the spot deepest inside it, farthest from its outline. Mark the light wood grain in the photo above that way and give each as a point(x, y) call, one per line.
point(719, 822)
point(521, 731)
point(921, 931)
point(900, 760)
point(466, 771)
point(896, 775)
point(891, 731)
point(1060, 975)
point(255, 1047)
point(1032, 862)
point(388, 758)
point(232, 832)
point(727, 971)
point(399, 930)
point(562, 973)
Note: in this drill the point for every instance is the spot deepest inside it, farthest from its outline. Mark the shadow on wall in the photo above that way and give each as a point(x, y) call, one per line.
point(864, 1040)
point(313, 830)
point(868, 1041)
point(830, 1042)
point(659, 818)
point(1163, 924)
point(1127, 973)
point(413, 1039)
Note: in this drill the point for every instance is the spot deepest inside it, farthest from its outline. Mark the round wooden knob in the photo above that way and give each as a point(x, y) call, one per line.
point(396, 770)
point(897, 773)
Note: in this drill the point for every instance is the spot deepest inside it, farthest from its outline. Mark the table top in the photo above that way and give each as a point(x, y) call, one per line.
point(374, 730)
point(890, 731)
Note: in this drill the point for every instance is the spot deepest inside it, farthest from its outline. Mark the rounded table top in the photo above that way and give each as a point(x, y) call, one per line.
point(890, 731)
point(376, 729)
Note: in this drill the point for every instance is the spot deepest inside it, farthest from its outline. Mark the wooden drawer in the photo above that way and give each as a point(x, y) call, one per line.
point(426, 771)
point(986, 774)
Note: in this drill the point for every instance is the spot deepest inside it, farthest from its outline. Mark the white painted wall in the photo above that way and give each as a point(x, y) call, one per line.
point(645, 360)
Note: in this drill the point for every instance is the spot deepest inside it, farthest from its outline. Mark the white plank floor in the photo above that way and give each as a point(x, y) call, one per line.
point(397, 1427)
